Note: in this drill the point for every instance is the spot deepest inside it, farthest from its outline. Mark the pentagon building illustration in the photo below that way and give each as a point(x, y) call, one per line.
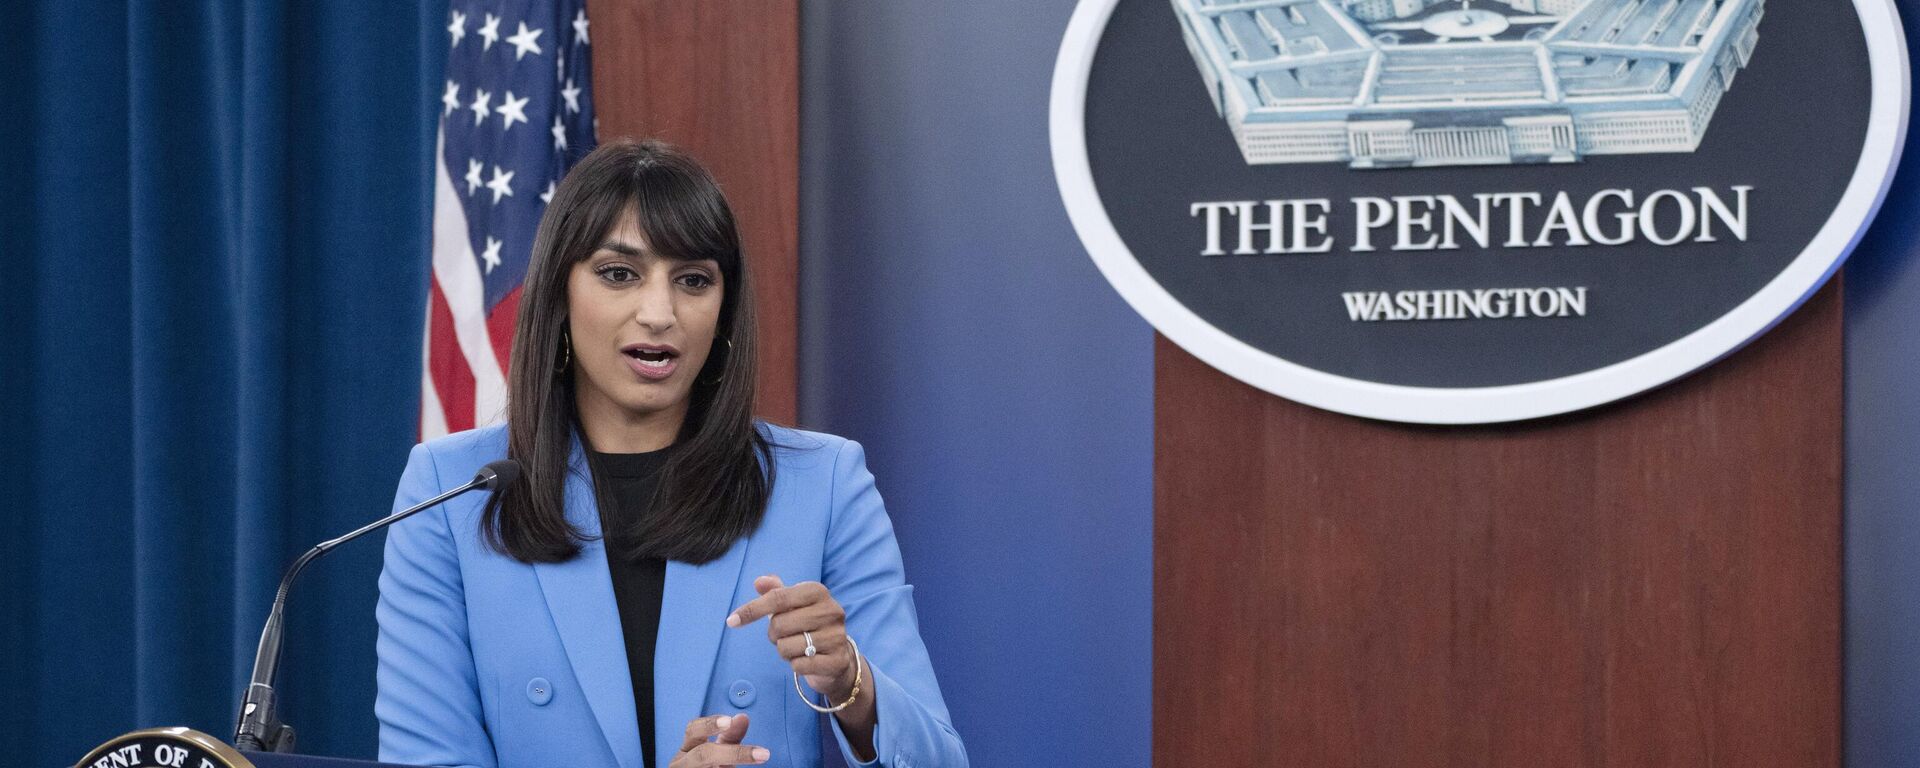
point(1400, 83)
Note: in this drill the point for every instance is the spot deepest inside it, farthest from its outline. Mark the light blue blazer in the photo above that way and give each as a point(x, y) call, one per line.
point(489, 662)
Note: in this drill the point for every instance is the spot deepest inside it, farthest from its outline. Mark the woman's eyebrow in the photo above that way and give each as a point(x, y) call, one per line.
point(621, 248)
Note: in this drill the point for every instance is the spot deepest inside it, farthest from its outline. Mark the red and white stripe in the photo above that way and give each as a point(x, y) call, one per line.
point(463, 380)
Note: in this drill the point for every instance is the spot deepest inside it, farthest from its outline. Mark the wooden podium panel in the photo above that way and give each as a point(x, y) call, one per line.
point(721, 79)
point(1655, 582)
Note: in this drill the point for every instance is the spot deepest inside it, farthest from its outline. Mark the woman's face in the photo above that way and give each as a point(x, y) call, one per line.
point(642, 326)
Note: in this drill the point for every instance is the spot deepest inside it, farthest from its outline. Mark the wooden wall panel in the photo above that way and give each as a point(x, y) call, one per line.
point(721, 79)
point(1652, 583)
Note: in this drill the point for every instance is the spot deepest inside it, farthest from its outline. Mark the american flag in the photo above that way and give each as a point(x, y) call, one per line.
point(516, 112)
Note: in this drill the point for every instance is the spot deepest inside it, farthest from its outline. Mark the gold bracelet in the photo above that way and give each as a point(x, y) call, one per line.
point(857, 665)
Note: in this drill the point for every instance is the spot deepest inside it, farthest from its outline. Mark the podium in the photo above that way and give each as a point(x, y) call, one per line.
point(278, 760)
point(1652, 583)
point(188, 748)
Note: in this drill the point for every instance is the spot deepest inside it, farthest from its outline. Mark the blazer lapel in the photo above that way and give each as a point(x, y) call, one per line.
point(693, 614)
point(579, 594)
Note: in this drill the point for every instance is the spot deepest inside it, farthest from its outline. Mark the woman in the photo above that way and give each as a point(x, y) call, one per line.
point(669, 584)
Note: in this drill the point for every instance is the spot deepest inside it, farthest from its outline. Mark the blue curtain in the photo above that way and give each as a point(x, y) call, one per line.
point(213, 254)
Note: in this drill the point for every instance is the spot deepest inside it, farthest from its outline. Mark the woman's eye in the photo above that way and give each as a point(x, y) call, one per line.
point(617, 274)
point(696, 280)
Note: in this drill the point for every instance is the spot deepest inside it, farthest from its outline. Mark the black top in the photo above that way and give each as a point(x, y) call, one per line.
point(625, 483)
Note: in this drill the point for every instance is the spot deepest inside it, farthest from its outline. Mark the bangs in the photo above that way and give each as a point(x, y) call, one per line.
point(682, 213)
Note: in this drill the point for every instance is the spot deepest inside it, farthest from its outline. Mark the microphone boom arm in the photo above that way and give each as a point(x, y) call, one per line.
point(260, 728)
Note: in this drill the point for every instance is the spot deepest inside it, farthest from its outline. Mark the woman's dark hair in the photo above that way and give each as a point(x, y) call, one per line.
point(714, 486)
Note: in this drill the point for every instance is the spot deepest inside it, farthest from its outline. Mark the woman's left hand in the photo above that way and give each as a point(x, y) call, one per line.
point(801, 611)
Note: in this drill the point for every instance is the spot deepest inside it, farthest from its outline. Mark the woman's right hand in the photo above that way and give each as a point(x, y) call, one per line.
point(714, 741)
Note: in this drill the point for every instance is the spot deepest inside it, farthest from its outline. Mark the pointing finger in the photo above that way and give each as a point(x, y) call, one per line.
point(777, 600)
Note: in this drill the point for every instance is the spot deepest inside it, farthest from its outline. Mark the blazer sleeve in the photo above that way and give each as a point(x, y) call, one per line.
point(864, 573)
point(427, 700)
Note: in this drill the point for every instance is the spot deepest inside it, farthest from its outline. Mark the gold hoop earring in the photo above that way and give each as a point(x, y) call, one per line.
point(566, 350)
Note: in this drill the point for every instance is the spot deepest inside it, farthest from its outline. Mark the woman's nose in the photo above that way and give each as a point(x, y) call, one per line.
point(655, 310)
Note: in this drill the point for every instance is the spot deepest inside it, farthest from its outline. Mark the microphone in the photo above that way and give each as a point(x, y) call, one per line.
point(260, 730)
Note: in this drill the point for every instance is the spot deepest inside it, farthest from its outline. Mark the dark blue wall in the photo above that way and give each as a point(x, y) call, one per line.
point(1883, 489)
point(952, 323)
point(1883, 476)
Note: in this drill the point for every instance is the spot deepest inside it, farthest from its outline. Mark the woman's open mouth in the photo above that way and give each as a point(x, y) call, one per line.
point(651, 361)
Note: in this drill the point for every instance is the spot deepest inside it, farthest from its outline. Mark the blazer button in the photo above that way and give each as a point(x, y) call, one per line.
point(740, 693)
point(539, 691)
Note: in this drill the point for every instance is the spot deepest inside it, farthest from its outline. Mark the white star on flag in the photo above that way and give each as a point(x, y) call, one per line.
point(458, 28)
point(480, 111)
point(572, 94)
point(500, 184)
point(559, 135)
point(512, 109)
point(492, 254)
point(547, 196)
point(473, 176)
point(451, 98)
point(580, 28)
point(524, 42)
point(490, 32)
